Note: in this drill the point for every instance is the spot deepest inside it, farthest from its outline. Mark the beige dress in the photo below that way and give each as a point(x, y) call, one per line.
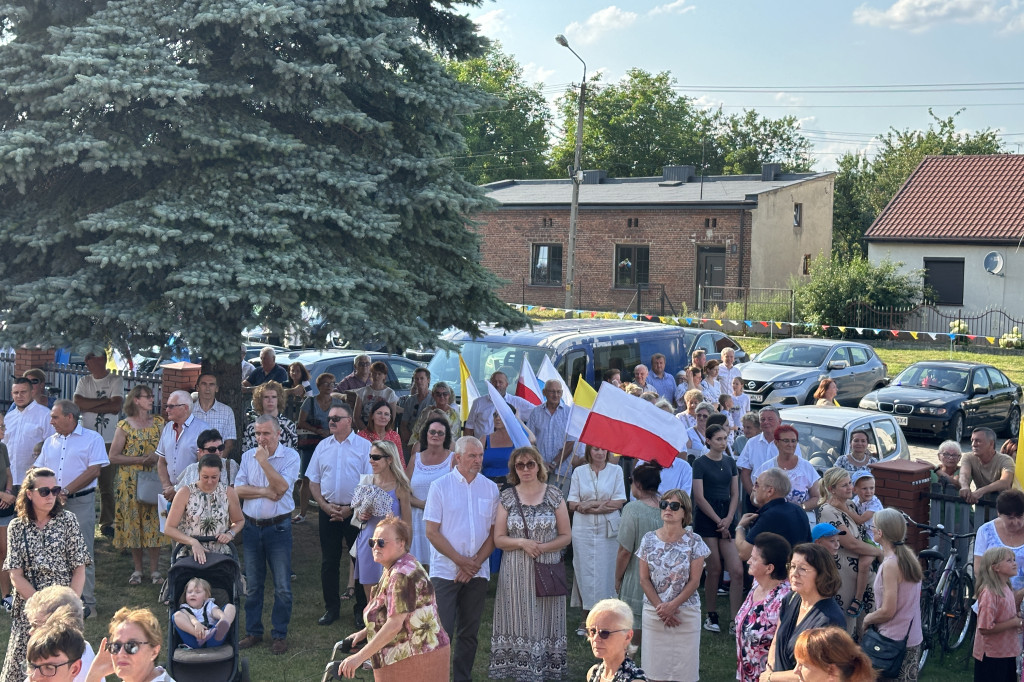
point(206, 514)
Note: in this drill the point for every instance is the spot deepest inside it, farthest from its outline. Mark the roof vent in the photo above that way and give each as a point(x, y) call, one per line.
point(594, 177)
point(770, 171)
point(677, 173)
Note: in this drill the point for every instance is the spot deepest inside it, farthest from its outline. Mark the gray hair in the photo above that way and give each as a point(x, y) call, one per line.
point(987, 432)
point(464, 442)
point(184, 397)
point(67, 407)
point(706, 406)
point(776, 479)
point(949, 445)
point(621, 611)
point(45, 602)
point(664, 405)
point(267, 419)
point(267, 350)
point(750, 418)
point(768, 408)
point(646, 368)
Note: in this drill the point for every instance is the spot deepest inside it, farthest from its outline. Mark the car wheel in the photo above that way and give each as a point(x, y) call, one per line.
point(956, 428)
point(1012, 423)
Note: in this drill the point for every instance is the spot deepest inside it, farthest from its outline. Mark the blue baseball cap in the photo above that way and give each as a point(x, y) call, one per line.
point(825, 530)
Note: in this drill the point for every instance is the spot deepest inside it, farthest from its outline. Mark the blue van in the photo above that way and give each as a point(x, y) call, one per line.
point(579, 348)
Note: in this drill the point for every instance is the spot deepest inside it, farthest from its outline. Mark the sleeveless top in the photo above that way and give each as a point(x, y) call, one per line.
point(908, 608)
point(425, 474)
point(206, 514)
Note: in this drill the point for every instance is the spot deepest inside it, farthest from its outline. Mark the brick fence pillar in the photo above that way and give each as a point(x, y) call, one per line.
point(178, 376)
point(904, 485)
point(32, 358)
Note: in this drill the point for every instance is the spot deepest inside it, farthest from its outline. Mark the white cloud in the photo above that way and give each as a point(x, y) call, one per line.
point(598, 24)
point(706, 102)
point(532, 73)
point(677, 7)
point(920, 15)
point(492, 23)
point(788, 100)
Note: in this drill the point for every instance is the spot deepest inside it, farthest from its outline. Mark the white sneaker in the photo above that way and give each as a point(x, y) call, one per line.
point(711, 623)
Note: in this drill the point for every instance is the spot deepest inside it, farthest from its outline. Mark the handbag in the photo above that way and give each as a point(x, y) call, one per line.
point(549, 579)
point(886, 654)
point(148, 487)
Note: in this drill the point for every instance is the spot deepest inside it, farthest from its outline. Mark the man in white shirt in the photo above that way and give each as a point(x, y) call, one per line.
point(215, 413)
point(480, 422)
point(177, 447)
point(549, 422)
point(758, 450)
point(264, 483)
point(728, 370)
point(334, 471)
point(28, 424)
point(459, 514)
point(100, 395)
point(77, 455)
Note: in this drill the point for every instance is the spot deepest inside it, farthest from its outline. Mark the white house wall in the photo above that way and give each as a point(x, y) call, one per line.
point(777, 246)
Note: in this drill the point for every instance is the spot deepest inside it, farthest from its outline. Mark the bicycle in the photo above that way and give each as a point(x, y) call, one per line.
point(947, 594)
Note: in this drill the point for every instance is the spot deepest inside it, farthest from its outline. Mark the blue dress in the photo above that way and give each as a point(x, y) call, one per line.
point(369, 570)
point(495, 460)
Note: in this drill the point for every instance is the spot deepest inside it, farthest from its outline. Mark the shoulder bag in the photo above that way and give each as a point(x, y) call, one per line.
point(886, 654)
point(148, 486)
point(550, 580)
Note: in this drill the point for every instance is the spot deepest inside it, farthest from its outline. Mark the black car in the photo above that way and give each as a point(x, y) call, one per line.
point(943, 399)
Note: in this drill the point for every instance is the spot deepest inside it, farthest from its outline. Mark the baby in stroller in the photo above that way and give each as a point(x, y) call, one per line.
point(199, 621)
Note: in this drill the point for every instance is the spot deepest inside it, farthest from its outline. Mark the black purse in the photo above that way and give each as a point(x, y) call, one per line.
point(549, 579)
point(886, 654)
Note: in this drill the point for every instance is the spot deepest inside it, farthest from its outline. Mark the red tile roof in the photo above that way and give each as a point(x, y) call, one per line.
point(957, 198)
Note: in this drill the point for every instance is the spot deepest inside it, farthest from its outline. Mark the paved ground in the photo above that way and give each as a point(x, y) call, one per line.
point(926, 449)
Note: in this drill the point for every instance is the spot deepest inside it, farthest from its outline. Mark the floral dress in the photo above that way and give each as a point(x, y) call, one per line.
point(756, 623)
point(405, 588)
point(136, 524)
point(206, 514)
point(844, 462)
point(849, 565)
point(627, 672)
point(48, 556)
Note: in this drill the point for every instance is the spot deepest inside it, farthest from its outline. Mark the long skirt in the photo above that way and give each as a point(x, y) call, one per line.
point(671, 653)
point(433, 665)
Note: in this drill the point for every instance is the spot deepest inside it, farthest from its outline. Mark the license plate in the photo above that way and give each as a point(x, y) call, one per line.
point(902, 421)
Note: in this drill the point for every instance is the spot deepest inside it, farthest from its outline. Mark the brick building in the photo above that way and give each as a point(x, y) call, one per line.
point(676, 232)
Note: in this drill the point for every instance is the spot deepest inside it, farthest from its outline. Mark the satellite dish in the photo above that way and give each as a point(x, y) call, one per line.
point(994, 262)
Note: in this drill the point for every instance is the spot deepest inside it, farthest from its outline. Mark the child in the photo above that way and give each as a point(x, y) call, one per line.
point(199, 621)
point(740, 402)
point(998, 640)
point(862, 510)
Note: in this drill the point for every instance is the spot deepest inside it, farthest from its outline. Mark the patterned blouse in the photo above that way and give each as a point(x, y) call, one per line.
point(206, 514)
point(755, 629)
point(289, 434)
point(627, 672)
point(669, 565)
point(844, 462)
point(405, 589)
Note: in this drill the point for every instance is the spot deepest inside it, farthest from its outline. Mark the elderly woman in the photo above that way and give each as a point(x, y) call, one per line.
point(442, 396)
point(831, 654)
point(62, 602)
point(403, 633)
point(368, 396)
point(382, 426)
point(948, 468)
point(898, 590)
point(205, 508)
point(44, 547)
point(131, 649)
point(803, 477)
point(758, 618)
point(133, 450)
point(859, 457)
point(610, 631)
point(266, 399)
point(639, 517)
point(691, 399)
point(814, 581)
point(1006, 530)
point(826, 393)
point(596, 495)
point(671, 563)
point(532, 525)
point(698, 433)
point(431, 461)
point(856, 554)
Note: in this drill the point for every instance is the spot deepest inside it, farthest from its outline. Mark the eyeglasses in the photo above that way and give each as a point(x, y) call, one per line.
point(785, 440)
point(335, 420)
point(214, 449)
point(673, 505)
point(377, 458)
point(435, 432)
point(45, 492)
point(131, 647)
point(798, 570)
point(526, 466)
point(171, 406)
point(943, 454)
point(45, 669)
point(376, 542)
point(363, 364)
point(603, 634)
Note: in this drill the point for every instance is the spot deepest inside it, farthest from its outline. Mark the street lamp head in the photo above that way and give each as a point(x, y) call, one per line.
point(560, 39)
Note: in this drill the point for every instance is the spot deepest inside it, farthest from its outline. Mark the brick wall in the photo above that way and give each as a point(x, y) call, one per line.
point(178, 376)
point(904, 485)
point(674, 236)
point(32, 358)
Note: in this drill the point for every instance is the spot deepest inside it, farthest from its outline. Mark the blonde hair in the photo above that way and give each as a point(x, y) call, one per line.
point(988, 579)
point(394, 464)
point(893, 527)
point(830, 479)
point(684, 500)
point(202, 583)
point(144, 620)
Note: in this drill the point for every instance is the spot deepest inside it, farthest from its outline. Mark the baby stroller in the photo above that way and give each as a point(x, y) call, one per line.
point(209, 663)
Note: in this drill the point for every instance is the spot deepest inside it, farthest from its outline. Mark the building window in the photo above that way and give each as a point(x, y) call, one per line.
point(711, 222)
point(632, 265)
point(798, 215)
point(632, 222)
point(805, 269)
point(944, 280)
point(546, 265)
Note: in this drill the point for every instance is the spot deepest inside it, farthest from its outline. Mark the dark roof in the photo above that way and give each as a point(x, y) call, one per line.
point(957, 198)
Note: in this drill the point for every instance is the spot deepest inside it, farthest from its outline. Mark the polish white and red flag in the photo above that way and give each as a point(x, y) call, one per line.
point(627, 425)
point(527, 386)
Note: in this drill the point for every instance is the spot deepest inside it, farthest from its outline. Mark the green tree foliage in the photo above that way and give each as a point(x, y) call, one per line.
point(751, 140)
point(851, 216)
point(835, 283)
point(203, 166)
point(509, 138)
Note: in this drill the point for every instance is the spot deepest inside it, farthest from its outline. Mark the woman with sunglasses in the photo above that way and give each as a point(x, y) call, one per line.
point(610, 631)
point(442, 407)
point(403, 634)
point(131, 649)
point(671, 563)
point(388, 480)
point(432, 460)
point(382, 426)
point(206, 507)
point(532, 525)
point(133, 450)
point(45, 547)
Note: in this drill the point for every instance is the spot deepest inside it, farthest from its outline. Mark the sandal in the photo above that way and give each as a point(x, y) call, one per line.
point(854, 609)
point(156, 578)
point(298, 518)
point(350, 593)
point(136, 578)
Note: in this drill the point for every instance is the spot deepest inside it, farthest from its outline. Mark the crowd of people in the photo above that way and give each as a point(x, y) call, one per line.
point(423, 509)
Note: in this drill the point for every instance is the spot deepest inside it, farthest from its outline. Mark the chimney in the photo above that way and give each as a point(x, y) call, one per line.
point(770, 171)
point(677, 173)
point(594, 177)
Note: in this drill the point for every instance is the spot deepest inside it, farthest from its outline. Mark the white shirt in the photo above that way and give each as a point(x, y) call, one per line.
point(181, 451)
point(757, 451)
point(285, 461)
point(71, 455)
point(481, 415)
point(336, 467)
point(25, 428)
point(110, 386)
point(679, 475)
point(219, 417)
point(725, 377)
point(466, 512)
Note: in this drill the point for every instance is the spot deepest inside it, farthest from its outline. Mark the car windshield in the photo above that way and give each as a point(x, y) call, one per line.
point(483, 358)
point(793, 355)
point(932, 376)
point(828, 442)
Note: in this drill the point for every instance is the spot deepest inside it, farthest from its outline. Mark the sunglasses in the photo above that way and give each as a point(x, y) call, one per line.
point(673, 505)
point(214, 449)
point(526, 466)
point(377, 458)
point(435, 432)
point(603, 634)
point(45, 492)
point(35, 381)
point(131, 647)
point(335, 420)
point(376, 542)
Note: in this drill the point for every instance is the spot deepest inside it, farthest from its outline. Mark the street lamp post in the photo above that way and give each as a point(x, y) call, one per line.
point(577, 179)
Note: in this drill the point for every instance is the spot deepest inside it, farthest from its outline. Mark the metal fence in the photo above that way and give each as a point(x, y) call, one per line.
point(932, 319)
point(957, 516)
point(745, 303)
point(61, 380)
point(6, 375)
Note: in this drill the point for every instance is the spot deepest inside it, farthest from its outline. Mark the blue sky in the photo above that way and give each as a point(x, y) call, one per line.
point(792, 50)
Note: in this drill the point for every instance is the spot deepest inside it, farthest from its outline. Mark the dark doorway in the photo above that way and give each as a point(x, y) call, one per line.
point(710, 273)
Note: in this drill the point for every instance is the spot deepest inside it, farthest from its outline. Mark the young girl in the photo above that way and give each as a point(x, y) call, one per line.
point(709, 385)
point(740, 402)
point(199, 621)
point(998, 640)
